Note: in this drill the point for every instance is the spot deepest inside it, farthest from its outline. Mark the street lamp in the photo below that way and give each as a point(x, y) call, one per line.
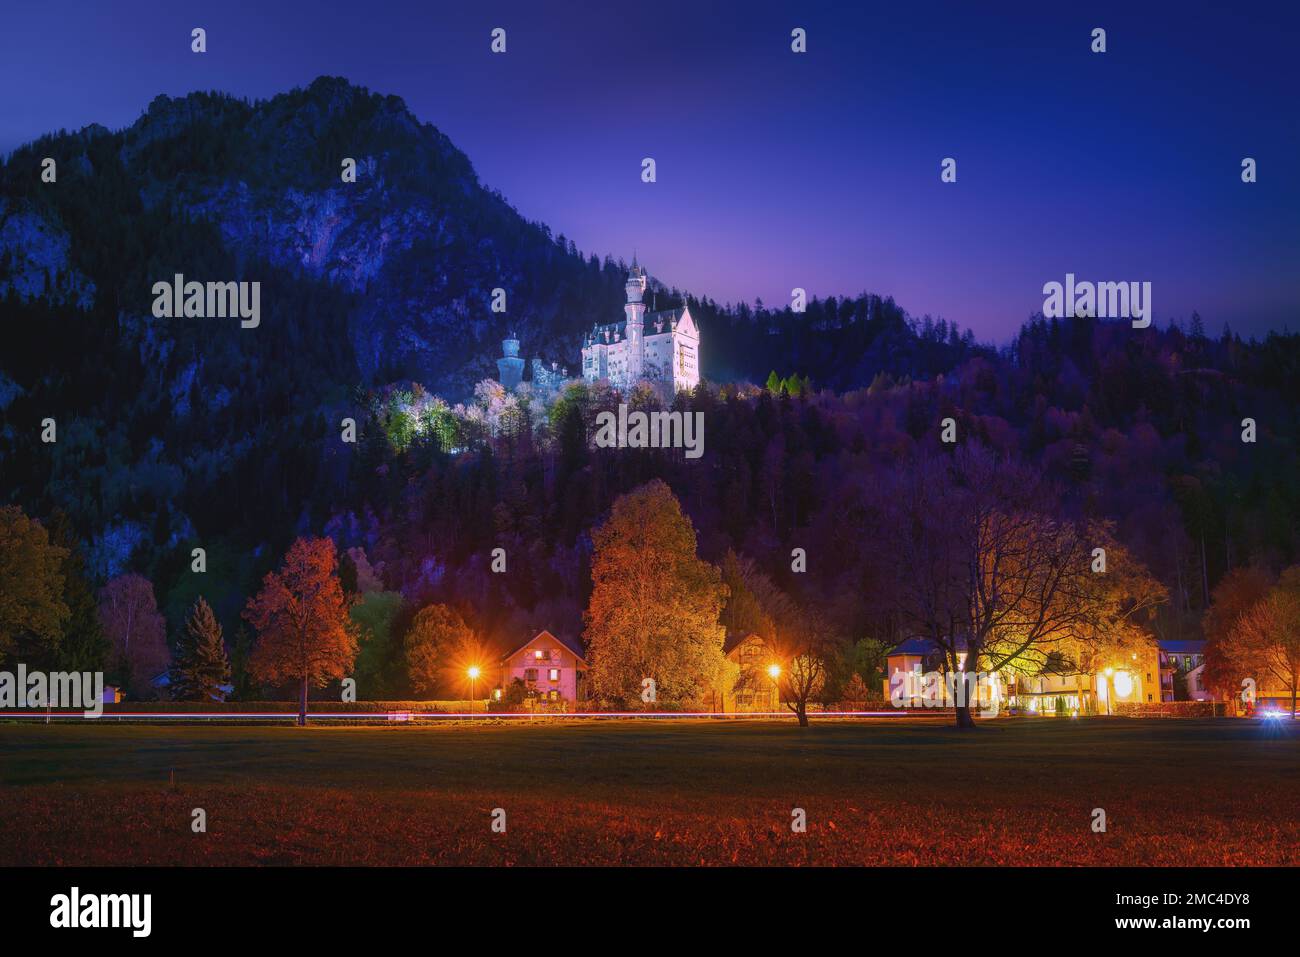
point(473, 680)
point(774, 672)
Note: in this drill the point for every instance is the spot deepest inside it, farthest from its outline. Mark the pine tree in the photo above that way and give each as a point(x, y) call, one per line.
point(201, 664)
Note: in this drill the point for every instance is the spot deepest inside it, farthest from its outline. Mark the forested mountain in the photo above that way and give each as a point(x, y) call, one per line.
point(388, 278)
point(173, 433)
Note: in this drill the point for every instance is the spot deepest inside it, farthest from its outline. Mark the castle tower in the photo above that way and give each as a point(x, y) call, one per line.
point(510, 368)
point(635, 309)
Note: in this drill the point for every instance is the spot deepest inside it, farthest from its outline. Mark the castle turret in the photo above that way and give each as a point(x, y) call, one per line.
point(510, 368)
point(635, 309)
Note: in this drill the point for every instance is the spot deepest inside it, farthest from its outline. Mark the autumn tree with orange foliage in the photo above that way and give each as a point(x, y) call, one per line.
point(654, 610)
point(1236, 594)
point(1265, 639)
point(301, 616)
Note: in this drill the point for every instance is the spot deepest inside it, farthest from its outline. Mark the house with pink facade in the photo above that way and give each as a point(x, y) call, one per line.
point(550, 669)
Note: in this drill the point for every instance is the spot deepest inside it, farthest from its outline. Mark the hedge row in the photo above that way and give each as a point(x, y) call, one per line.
point(422, 707)
point(288, 707)
point(1170, 709)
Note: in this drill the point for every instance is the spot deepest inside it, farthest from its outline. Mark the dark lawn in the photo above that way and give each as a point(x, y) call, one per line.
point(876, 792)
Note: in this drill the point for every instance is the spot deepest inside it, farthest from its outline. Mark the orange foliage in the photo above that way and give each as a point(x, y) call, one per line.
point(304, 632)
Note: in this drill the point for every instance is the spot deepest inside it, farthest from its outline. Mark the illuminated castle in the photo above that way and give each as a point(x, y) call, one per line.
point(661, 348)
point(666, 354)
point(510, 369)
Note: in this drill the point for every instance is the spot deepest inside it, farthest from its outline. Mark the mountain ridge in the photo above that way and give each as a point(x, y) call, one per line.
point(417, 242)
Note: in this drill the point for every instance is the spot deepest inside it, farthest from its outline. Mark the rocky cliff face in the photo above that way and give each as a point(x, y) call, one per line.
point(417, 244)
point(34, 259)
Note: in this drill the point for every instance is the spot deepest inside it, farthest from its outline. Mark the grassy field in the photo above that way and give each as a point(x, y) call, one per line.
point(1018, 791)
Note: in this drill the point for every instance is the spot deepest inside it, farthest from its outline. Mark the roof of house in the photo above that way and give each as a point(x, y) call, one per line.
point(1191, 646)
point(735, 641)
point(921, 646)
point(568, 643)
point(913, 646)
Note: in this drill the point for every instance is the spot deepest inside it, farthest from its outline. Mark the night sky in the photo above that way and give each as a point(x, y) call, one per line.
point(778, 170)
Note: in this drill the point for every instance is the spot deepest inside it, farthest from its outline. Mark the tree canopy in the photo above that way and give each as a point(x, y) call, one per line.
point(304, 634)
point(655, 606)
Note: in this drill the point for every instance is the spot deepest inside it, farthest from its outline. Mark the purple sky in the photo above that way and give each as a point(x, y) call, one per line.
point(778, 170)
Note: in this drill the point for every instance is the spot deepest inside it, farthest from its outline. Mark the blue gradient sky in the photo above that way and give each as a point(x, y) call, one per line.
point(777, 170)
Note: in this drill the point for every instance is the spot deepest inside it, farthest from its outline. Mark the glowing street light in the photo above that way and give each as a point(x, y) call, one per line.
point(473, 680)
point(774, 672)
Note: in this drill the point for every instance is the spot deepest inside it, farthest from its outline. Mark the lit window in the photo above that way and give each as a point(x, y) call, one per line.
point(554, 674)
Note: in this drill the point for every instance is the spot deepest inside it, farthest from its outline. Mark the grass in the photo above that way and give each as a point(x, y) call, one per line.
point(683, 792)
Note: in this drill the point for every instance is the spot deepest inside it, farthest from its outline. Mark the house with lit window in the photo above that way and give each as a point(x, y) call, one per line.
point(907, 666)
point(1126, 679)
point(550, 669)
point(1182, 674)
point(904, 668)
point(1182, 671)
point(755, 687)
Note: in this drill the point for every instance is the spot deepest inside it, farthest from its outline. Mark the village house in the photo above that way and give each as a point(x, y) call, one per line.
point(549, 668)
point(1126, 679)
point(909, 662)
point(1182, 677)
point(1130, 678)
point(755, 688)
point(1182, 671)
